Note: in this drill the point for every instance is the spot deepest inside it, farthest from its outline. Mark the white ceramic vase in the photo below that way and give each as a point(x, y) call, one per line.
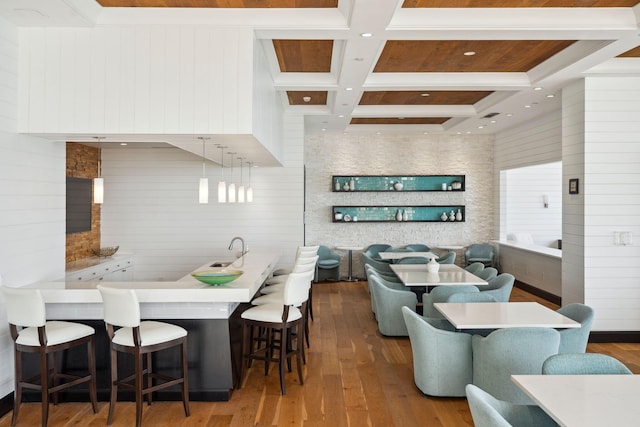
point(433, 266)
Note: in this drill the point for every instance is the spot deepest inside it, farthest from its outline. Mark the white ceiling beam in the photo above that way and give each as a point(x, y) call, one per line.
point(447, 81)
point(414, 111)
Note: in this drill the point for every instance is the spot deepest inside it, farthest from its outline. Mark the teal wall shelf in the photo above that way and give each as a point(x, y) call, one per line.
point(350, 214)
point(363, 183)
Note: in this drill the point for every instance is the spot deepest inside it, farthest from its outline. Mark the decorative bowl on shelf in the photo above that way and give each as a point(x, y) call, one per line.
point(108, 251)
point(217, 277)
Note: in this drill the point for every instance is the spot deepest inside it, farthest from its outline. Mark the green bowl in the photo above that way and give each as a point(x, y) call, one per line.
point(217, 277)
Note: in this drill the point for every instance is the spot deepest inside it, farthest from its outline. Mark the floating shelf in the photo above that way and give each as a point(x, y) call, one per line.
point(389, 213)
point(363, 183)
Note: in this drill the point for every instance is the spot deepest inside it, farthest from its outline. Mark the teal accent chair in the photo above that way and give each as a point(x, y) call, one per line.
point(440, 294)
point(375, 249)
point(389, 276)
point(475, 268)
point(487, 411)
point(511, 351)
point(418, 247)
point(382, 266)
point(487, 273)
point(389, 284)
point(574, 340)
point(448, 258)
point(388, 307)
point(584, 364)
point(328, 265)
point(442, 358)
point(499, 287)
point(479, 252)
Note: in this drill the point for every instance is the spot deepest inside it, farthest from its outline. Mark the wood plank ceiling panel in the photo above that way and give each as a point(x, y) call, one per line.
point(437, 97)
point(231, 4)
point(448, 56)
point(633, 53)
point(516, 3)
point(304, 56)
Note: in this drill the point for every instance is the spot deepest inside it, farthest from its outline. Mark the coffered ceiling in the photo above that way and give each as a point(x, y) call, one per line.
point(427, 66)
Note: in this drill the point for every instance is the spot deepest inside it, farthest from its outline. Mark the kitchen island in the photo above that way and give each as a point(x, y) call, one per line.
point(211, 315)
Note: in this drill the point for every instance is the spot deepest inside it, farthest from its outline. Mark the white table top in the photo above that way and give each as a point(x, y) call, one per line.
point(449, 274)
point(497, 315)
point(404, 254)
point(585, 400)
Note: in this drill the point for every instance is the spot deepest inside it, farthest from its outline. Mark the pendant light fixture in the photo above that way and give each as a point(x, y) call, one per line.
point(241, 187)
point(203, 189)
point(232, 185)
point(222, 186)
point(249, 189)
point(98, 182)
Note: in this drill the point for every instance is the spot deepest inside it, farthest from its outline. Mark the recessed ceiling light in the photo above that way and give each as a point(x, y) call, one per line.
point(348, 88)
point(358, 59)
point(400, 118)
point(366, 35)
point(537, 88)
point(324, 129)
point(493, 121)
point(424, 94)
point(425, 133)
point(470, 53)
point(468, 132)
point(551, 95)
point(480, 127)
point(509, 114)
point(378, 133)
point(123, 143)
point(341, 115)
point(306, 98)
point(527, 106)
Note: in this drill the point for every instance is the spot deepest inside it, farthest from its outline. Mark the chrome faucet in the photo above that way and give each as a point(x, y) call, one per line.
point(245, 248)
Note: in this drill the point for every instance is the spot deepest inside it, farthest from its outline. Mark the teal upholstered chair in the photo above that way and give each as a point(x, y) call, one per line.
point(440, 294)
point(388, 307)
point(375, 249)
point(448, 258)
point(418, 247)
point(475, 268)
point(479, 252)
point(328, 265)
point(387, 275)
point(389, 284)
point(584, 364)
point(499, 287)
point(487, 411)
point(442, 358)
point(511, 351)
point(487, 273)
point(574, 340)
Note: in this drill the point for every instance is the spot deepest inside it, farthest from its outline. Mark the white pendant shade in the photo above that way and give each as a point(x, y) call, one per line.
point(222, 192)
point(98, 190)
point(204, 190)
point(232, 193)
point(249, 195)
point(241, 194)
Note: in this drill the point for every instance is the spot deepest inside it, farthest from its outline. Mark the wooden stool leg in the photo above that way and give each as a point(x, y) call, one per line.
point(283, 356)
point(114, 385)
point(17, 395)
point(149, 370)
point(244, 352)
point(299, 349)
point(44, 380)
point(91, 360)
point(138, 385)
point(185, 378)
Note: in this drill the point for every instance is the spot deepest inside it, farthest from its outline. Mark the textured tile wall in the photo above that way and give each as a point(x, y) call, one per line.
point(327, 155)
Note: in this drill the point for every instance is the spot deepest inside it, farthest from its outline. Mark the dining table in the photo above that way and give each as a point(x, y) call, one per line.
point(498, 315)
point(394, 255)
point(585, 400)
point(413, 275)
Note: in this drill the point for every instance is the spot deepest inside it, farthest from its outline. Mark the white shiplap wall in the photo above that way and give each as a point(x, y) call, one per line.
point(328, 154)
point(32, 200)
point(612, 200)
point(151, 207)
point(164, 79)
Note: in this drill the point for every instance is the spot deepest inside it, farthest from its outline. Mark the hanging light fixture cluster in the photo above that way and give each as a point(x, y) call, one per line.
point(226, 193)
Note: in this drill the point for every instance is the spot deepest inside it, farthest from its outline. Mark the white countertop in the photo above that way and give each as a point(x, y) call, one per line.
point(256, 264)
point(495, 315)
point(585, 400)
point(543, 250)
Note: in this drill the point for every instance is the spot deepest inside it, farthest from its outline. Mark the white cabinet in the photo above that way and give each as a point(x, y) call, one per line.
point(117, 268)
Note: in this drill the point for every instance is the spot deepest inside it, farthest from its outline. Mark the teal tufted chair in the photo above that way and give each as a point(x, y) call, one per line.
point(328, 265)
point(574, 340)
point(584, 364)
point(388, 307)
point(499, 287)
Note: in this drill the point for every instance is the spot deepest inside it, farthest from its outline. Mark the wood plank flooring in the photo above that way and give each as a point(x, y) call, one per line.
point(353, 377)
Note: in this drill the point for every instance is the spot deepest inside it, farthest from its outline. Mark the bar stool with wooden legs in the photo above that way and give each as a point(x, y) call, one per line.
point(140, 338)
point(32, 333)
point(282, 318)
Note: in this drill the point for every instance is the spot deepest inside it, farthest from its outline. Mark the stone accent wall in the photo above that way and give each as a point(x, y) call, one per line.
point(329, 154)
point(82, 162)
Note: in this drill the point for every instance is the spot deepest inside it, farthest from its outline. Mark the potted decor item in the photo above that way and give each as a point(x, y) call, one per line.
point(398, 186)
point(458, 215)
point(444, 216)
point(352, 184)
point(433, 266)
point(338, 216)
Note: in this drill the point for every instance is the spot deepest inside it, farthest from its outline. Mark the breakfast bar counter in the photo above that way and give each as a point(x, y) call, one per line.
point(211, 315)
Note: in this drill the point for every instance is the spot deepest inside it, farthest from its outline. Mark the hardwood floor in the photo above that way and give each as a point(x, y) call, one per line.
point(353, 377)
